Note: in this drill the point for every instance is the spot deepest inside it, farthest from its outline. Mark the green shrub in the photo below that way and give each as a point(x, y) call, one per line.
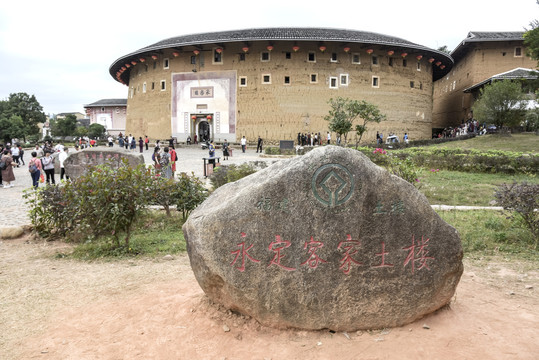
point(229, 173)
point(189, 193)
point(523, 200)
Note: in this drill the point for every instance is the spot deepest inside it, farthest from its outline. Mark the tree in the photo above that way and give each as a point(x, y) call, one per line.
point(501, 104)
point(96, 130)
point(531, 40)
point(11, 128)
point(444, 49)
point(65, 126)
point(344, 112)
point(27, 108)
point(368, 113)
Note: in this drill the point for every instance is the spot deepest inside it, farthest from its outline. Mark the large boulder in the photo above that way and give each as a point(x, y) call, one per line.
point(78, 162)
point(326, 240)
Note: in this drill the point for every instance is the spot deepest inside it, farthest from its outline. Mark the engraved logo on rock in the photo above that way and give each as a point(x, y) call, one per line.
point(332, 184)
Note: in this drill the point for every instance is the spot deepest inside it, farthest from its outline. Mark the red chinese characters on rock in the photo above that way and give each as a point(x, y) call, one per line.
point(350, 247)
point(417, 252)
point(313, 259)
point(244, 253)
point(417, 257)
point(276, 247)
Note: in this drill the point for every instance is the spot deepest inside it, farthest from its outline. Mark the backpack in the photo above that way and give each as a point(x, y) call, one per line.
point(3, 165)
point(32, 168)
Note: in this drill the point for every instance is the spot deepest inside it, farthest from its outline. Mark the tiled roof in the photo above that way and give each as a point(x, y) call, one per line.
point(484, 36)
point(108, 102)
point(286, 34)
point(518, 73)
point(494, 36)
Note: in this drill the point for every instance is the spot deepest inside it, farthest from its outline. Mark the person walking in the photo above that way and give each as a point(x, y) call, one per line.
point(141, 144)
point(146, 141)
point(259, 145)
point(7, 171)
point(62, 157)
point(15, 154)
point(35, 168)
point(48, 167)
point(226, 151)
point(173, 159)
point(21, 155)
point(164, 161)
point(243, 143)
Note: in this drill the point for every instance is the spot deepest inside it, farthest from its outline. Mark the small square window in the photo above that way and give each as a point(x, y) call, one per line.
point(287, 80)
point(344, 79)
point(288, 55)
point(390, 61)
point(243, 81)
point(163, 85)
point(312, 57)
point(356, 59)
point(333, 57)
point(165, 63)
point(418, 66)
point(518, 52)
point(412, 84)
point(265, 56)
point(314, 78)
point(266, 79)
point(375, 60)
point(404, 62)
point(218, 56)
point(333, 83)
point(375, 82)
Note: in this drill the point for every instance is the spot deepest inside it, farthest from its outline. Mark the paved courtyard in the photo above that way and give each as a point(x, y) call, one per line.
point(189, 160)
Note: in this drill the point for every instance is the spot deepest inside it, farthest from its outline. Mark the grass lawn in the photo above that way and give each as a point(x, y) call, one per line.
point(526, 143)
point(463, 188)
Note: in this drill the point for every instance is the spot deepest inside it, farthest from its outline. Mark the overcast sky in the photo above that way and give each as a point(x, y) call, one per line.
point(61, 50)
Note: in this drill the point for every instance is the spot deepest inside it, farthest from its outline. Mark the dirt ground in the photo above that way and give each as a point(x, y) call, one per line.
point(53, 308)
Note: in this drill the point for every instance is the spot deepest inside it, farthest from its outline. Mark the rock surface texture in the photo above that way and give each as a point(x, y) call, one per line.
point(325, 240)
point(77, 163)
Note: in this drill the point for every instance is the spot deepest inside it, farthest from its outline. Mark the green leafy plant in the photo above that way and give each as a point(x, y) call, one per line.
point(189, 193)
point(230, 173)
point(523, 200)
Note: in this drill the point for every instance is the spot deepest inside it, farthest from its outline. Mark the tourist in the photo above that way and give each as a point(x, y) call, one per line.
point(15, 154)
point(133, 143)
point(111, 141)
point(188, 140)
point(21, 155)
point(164, 161)
point(141, 144)
point(226, 151)
point(48, 167)
point(146, 141)
point(7, 171)
point(156, 157)
point(173, 159)
point(329, 138)
point(121, 142)
point(35, 168)
point(243, 143)
point(406, 138)
point(126, 142)
point(61, 158)
point(259, 145)
point(38, 151)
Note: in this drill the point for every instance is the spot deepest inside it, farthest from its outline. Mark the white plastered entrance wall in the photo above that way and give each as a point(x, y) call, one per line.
point(195, 96)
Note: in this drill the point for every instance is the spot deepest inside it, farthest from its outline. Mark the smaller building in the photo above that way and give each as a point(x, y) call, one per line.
point(111, 113)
